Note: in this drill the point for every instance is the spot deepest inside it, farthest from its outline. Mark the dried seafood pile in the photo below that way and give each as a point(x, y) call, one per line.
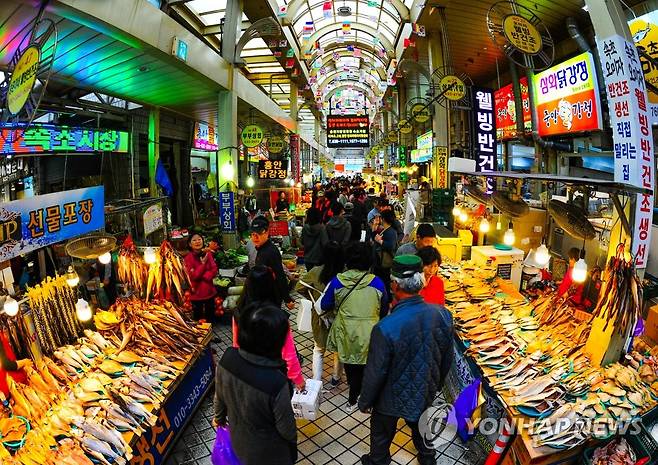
point(53, 309)
point(167, 277)
point(131, 267)
point(78, 408)
point(145, 327)
point(617, 452)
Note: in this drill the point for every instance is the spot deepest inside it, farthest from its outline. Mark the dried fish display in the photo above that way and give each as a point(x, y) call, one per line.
point(617, 452)
point(53, 309)
point(167, 277)
point(131, 267)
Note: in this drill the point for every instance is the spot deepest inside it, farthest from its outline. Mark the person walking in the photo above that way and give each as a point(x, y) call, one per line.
point(434, 291)
point(386, 240)
point(338, 228)
point(314, 238)
point(359, 299)
point(311, 285)
point(269, 256)
point(252, 393)
point(410, 354)
point(355, 222)
point(425, 237)
point(201, 269)
point(260, 288)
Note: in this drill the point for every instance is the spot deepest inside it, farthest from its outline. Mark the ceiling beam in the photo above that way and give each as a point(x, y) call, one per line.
point(328, 29)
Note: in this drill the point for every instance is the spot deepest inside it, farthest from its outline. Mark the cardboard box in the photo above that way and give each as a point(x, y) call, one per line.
point(651, 325)
point(306, 404)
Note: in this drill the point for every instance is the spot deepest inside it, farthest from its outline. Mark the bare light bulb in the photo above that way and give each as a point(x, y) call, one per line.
point(72, 278)
point(484, 226)
point(509, 237)
point(105, 258)
point(11, 306)
point(463, 217)
point(228, 171)
point(579, 273)
point(83, 310)
point(542, 256)
point(149, 255)
point(250, 182)
point(456, 211)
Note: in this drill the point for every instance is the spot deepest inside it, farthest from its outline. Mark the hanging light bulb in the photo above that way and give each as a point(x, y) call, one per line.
point(83, 310)
point(509, 237)
point(105, 258)
point(11, 306)
point(484, 226)
point(499, 225)
point(542, 256)
point(579, 273)
point(463, 216)
point(228, 171)
point(72, 278)
point(250, 182)
point(456, 211)
point(149, 255)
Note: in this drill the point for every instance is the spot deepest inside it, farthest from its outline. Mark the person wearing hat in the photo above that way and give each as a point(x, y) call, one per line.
point(425, 237)
point(268, 255)
point(411, 351)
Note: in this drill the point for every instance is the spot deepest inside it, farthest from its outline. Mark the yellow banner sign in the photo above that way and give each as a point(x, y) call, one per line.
point(522, 34)
point(23, 79)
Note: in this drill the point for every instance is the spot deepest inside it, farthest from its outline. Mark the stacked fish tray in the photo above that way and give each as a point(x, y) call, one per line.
point(532, 356)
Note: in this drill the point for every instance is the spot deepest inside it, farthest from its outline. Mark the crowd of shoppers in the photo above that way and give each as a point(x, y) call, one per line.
point(381, 315)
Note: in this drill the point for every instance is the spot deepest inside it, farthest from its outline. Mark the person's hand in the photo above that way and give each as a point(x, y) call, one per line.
point(379, 238)
point(215, 423)
point(290, 305)
point(301, 386)
point(204, 258)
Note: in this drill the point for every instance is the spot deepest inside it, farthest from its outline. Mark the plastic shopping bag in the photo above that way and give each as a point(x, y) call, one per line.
point(304, 316)
point(222, 452)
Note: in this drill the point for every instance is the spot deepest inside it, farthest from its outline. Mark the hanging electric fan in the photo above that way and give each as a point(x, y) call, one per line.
point(476, 193)
point(572, 219)
point(516, 208)
point(92, 246)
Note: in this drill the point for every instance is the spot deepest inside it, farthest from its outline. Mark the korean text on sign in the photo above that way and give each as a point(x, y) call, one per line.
point(227, 211)
point(273, 169)
point(485, 130)
point(52, 139)
point(631, 131)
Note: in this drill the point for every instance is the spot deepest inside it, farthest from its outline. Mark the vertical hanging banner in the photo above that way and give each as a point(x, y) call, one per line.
point(294, 156)
point(631, 132)
point(227, 211)
point(484, 129)
point(441, 160)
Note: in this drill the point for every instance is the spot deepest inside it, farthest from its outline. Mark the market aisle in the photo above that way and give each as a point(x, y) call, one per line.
point(335, 438)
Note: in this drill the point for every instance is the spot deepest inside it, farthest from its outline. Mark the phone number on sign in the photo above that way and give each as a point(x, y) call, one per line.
point(192, 399)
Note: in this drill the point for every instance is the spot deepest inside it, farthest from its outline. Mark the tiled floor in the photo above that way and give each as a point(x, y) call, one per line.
point(335, 438)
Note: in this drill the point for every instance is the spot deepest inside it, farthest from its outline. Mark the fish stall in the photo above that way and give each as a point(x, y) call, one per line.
point(543, 374)
point(115, 388)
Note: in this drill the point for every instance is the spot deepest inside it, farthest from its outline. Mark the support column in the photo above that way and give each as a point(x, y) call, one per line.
point(231, 29)
point(441, 118)
point(295, 142)
point(153, 148)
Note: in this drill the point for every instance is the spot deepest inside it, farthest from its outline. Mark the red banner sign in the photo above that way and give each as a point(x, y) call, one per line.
point(506, 110)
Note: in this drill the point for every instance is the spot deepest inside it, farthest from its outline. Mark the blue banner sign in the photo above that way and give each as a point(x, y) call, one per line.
point(36, 222)
point(42, 139)
point(153, 446)
point(227, 210)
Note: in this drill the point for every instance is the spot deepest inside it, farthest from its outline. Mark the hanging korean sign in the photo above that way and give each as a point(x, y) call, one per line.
point(348, 131)
point(644, 30)
point(441, 159)
point(252, 135)
point(23, 79)
point(454, 88)
point(227, 211)
point(153, 219)
point(392, 136)
point(272, 169)
point(276, 144)
point(38, 140)
point(205, 137)
point(36, 222)
point(505, 108)
point(405, 126)
point(484, 129)
point(13, 169)
point(421, 112)
point(522, 34)
point(631, 132)
point(567, 97)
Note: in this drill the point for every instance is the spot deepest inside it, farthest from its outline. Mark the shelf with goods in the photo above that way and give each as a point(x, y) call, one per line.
point(538, 365)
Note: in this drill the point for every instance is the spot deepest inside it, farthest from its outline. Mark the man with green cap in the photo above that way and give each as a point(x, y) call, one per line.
point(411, 351)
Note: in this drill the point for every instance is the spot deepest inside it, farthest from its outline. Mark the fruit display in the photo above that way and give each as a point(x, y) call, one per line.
point(167, 277)
point(131, 267)
point(53, 310)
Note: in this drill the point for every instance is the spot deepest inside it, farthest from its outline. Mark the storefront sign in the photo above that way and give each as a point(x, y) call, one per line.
point(423, 152)
point(421, 112)
point(154, 445)
point(454, 88)
point(441, 159)
point(153, 219)
point(205, 137)
point(631, 132)
point(13, 169)
point(522, 34)
point(272, 169)
point(484, 133)
point(567, 97)
point(276, 144)
point(405, 126)
point(35, 222)
point(279, 228)
point(295, 148)
point(252, 135)
point(644, 30)
point(48, 139)
point(227, 210)
point(348, 131)
point(402, 162)
point(505, 107)
point(392, 136)
point(22, 79)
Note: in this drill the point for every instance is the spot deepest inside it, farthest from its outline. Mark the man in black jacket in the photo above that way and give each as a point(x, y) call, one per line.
point(411, 351)
point(268, 255)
